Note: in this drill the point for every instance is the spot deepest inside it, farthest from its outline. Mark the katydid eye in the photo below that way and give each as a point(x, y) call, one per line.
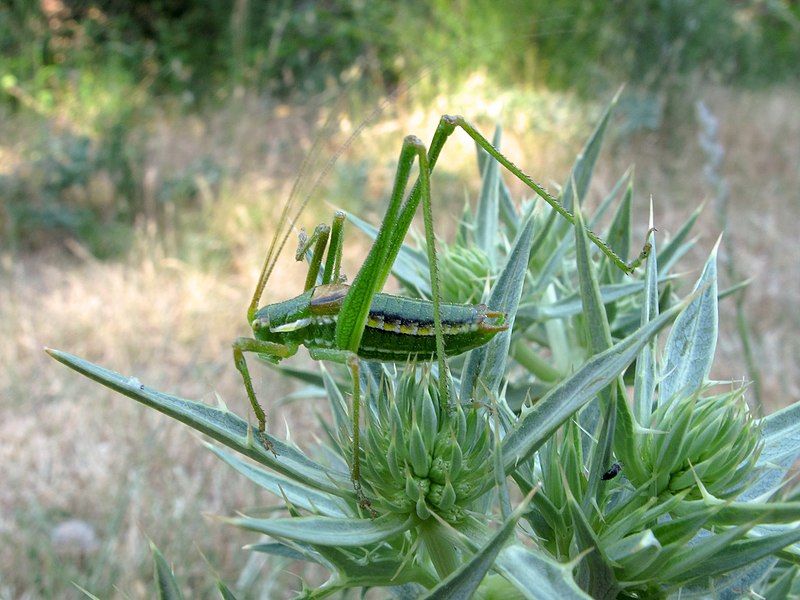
point(260, 323)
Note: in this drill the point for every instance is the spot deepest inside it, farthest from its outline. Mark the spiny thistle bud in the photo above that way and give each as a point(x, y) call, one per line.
point(463, 271)
point(421, 456)
point(712, 439)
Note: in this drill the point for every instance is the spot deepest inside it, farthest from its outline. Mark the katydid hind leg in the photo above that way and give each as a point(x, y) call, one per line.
point(270, 349)
point(372, 276)
point(447, 125)
point(433, 267)
point(355, 308)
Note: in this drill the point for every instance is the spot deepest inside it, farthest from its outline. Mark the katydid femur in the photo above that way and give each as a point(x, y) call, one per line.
point(342, 323)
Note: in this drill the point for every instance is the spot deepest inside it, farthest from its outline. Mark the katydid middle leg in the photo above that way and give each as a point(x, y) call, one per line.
point(352, 362)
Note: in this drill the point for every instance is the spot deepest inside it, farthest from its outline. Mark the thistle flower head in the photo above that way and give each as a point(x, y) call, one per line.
point(710, 439)
point(463, 272)
point(422, 456)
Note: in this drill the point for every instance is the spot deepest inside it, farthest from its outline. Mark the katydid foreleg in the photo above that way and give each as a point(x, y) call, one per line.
point(274, 351)
point(266, 349)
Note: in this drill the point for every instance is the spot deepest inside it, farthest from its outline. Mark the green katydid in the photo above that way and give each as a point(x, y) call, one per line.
point(342, 323)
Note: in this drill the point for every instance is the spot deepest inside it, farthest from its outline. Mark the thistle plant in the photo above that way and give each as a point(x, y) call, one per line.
point(577, 458)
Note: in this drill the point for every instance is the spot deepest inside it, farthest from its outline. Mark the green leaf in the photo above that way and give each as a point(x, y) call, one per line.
point(645, 379)
point(600, 458)
point(679, 254)
point(601, 581)
point(782, 587)
point(739, 554)
point(593, 308)
point(487, 222)
point(462, 583)
point(558, 404)
point(278, 549)
point(219, 424)
point(570, 306)
point(501, 481)
point(599, 334)
point(554, 264)
point(336, 402)
point(419, 457)
point(781, 435)
point(691, 344)
point(679, 530)
point(383, 567)
point(635, 553)
point(299, 495)
point(537, 575)
point(581, 174)
point(349, 566)
point(224, 591)
point(619, 235)
point(627, 181)
point(736, 513)
point(626, 438)
point(489, 361)
point(328, 531)
point(689, 562)
point(626, 521)
point(166, 585)
point(670, 446)
point(731, 584)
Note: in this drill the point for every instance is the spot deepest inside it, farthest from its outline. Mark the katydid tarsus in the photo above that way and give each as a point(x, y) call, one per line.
point(343, 323)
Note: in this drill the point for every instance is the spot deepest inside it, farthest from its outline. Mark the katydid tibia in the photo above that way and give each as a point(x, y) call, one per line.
point(341, 323)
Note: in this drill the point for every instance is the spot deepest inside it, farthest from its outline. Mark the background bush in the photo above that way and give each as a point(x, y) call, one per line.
point(295, 46)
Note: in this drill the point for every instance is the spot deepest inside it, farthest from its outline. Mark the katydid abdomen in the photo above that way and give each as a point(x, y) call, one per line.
point(398, 329)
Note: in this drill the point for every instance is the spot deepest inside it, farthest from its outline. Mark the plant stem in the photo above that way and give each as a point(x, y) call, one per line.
point(534, 363)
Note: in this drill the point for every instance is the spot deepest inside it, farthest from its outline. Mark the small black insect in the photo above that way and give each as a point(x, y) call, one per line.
point(612, 472)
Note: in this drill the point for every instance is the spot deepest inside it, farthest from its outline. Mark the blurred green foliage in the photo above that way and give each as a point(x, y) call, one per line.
point(52, 191)
point(90, 70)
point(291, 46)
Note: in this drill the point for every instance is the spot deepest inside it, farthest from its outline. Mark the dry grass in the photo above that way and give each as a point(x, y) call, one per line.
point(72, 450)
